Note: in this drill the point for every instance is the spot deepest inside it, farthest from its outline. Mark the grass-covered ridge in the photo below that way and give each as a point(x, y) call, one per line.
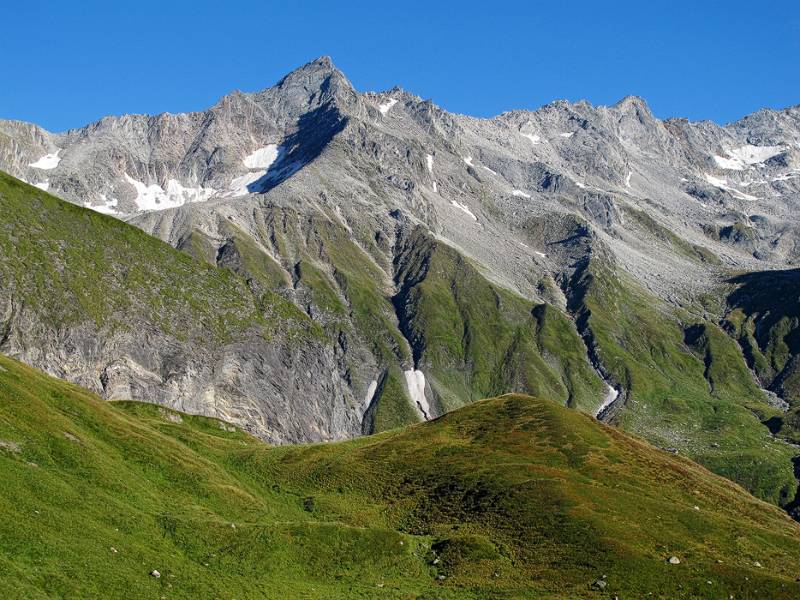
point(72, 266)
point(508, 498)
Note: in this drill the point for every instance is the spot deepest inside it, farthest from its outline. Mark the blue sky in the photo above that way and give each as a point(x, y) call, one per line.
point(69, 63)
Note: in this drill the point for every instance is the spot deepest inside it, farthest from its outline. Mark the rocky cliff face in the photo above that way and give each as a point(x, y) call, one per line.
point(571, 251)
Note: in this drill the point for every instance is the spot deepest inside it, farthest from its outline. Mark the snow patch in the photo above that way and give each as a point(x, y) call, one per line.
point(108, 206)
point(520, 194)
point(184, 195)
point(729, 164)
point(429, 162)
point(463, 207)
point(628, 179)
point(723, 185)
point(490, 170)
point(387, 106)
point(611, 395)
point(259, 162)
point(542, 254)
point(415, 382)
point(753, 155)
point(373, 385)
point(567, 134)
point(44, 185)
point(535, 139)
point(262, 158)
point(468, 160)
point(154, 197)
point(740, 158)
point(580, 184)
point(435, 188)
point(239, 185)
point(47, 162)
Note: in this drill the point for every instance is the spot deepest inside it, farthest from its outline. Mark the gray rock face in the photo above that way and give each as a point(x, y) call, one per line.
point(311, 175)
point(268, 377)
point(315, 143)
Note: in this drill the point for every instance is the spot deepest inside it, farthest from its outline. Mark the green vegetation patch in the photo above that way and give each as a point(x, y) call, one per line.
point(513, 497)
point(686, 384)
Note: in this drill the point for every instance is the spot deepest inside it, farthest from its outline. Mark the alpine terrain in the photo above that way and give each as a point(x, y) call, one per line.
point(311, 263)
point(508, 498)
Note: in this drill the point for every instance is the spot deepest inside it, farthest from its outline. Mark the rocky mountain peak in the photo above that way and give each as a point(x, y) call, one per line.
point(634, 105)
point(314, 83)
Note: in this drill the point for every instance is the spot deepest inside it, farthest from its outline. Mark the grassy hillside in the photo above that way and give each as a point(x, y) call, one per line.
point(686, 383)
point(71, 266)
point(513, 497)
point(764, 315)
point(474, 339)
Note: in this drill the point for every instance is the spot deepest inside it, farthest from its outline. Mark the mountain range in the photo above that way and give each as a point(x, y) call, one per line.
point(311, 263)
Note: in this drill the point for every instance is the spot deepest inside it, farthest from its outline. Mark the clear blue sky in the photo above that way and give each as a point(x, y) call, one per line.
point(68, 63)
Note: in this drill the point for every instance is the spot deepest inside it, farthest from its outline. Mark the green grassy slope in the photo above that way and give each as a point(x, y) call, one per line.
point(514, 497)
point(764, 316)
point(471, 338)
point(474, 339)
point(687, 384)
point(69, 266)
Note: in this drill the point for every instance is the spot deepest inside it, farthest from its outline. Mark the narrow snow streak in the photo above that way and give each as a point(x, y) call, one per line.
point(786, 176)
point(611, 395)
point(520, 194)
point(429, 163)
point(47, 162)
point(415, 381)
point(567, 134)
point(628, 179)
point(463, 207)
point(373, 385)
point(723, 185)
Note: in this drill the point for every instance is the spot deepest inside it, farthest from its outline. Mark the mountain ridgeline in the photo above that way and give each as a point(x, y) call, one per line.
point(313, 263)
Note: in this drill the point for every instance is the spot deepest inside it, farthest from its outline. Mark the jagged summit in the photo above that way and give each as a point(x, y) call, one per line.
point(322, 65)
point(319, 75)
point(633, 103)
